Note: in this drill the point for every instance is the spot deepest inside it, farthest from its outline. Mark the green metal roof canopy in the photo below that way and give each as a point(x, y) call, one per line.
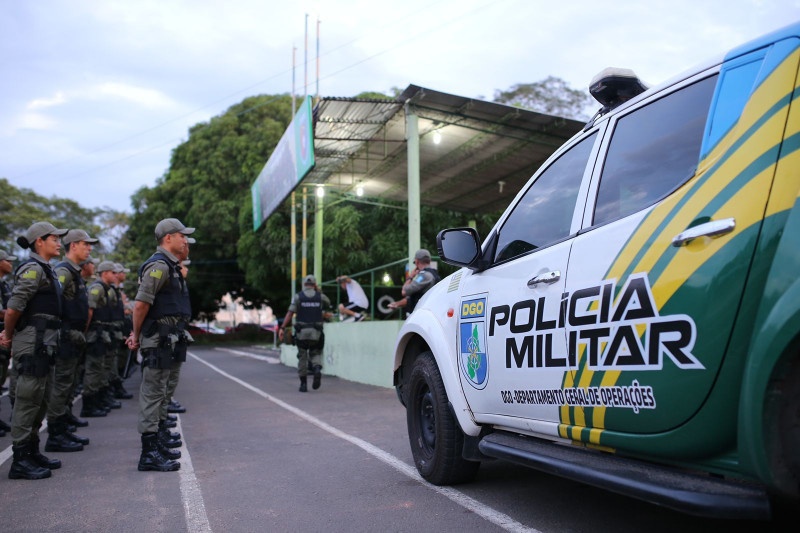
point(485, 151)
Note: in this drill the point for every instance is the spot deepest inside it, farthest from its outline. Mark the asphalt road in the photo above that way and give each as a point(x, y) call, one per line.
point(260, 456)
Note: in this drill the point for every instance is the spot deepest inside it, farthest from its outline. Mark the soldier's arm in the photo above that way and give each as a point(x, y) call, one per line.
point(140, 310)
point(11, 319)
point(287, 321)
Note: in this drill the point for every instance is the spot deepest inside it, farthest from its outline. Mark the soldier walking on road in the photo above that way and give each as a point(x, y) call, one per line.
point(310, 306)
point(160, 314)
point(31, 328)
point(75, 316)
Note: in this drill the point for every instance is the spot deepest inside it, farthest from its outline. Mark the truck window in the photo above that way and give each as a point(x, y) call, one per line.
point(653, 150)
point(544, 215)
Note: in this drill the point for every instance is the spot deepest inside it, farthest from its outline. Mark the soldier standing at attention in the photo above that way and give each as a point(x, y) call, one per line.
point(160, 314)
point(32, 326)
point(310, 306)
point(5, 353)
point(114, 328)
point(118, 347)
point(167, 438)
point(98, 340)
point(74, 317)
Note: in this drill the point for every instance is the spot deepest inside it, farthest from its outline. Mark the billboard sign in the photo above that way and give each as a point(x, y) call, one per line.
point(289, 163)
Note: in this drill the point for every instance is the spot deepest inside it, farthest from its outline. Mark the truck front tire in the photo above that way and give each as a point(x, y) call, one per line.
point(435, 437)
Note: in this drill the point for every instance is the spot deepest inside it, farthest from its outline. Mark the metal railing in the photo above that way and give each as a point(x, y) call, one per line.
point(395, 270)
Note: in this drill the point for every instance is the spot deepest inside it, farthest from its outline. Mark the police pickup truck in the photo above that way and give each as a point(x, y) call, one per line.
point(632, 321)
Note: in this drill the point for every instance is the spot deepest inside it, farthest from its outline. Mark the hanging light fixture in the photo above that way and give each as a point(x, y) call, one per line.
point(320, 191)
point(360, 190)
point(437, 137)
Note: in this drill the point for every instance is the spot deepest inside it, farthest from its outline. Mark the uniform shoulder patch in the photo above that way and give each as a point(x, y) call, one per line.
point(30, 274)
point(95, 291)
point(155, 273)
point(62, 278)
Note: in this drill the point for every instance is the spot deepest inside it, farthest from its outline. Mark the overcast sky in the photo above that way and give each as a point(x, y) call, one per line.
point(95, 94)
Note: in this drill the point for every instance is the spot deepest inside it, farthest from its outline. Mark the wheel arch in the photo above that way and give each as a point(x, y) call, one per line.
point(775, 348)
point(416, 337)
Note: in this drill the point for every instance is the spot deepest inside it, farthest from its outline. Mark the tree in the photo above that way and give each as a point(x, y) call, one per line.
point(19, 208)
point(207, 186)
point(551, 95)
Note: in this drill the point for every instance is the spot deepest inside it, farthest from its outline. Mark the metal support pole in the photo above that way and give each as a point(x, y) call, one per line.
point(412, 143)
point(294, 245)
point(304, 245)
point(318, 221)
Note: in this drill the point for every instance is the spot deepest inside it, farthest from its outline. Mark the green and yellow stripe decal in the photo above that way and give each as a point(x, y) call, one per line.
point(735, 177)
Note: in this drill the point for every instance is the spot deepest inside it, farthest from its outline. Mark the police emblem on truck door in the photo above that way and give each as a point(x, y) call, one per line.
point(472, 339)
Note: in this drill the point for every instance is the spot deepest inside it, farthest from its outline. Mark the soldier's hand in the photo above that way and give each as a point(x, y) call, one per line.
point(132, 342)
point(280, 333)
point(5, 342)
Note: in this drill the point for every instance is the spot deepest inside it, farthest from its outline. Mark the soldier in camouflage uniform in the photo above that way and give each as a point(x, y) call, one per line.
point(31, 328)
point(5, 295)
point(75, 316)
point(160, 314)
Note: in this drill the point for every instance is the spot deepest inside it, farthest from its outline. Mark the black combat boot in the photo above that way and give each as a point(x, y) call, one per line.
point(37, 457)
point(151, 458)
point(24, 467)
point(77, 438)
point(166, 438)
point(119, 391)
point(91, 409)
point(175, 407)
point(74, 420)
point(107, 398)
point(57, 440)
point(70, 432)
point(173, 435)
point(164, 449)
point(303, 384)
point(317, 377)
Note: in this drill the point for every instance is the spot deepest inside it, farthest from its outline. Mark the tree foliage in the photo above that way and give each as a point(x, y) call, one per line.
point(206, 187)
point(551, 95)
point(19, 208)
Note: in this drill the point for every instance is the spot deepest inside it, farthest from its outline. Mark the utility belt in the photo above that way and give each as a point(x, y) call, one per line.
point(102, 342)
point(116, 331)
point(308, 335)
point(173, 344)
point(39, 362)
point(72, 342)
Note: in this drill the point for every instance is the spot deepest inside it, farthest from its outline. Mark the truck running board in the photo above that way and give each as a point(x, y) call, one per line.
point(665, 486)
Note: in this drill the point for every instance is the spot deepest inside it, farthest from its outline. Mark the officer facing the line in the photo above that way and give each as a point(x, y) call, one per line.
point(160, 314)
point(32, 326)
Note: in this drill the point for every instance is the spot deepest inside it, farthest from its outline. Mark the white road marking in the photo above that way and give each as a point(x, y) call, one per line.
point(268, 359)
point(495, 517)
point(6, 454)
point(193, 505)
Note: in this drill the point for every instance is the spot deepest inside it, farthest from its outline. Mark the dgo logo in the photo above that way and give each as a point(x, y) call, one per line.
point(474, 363)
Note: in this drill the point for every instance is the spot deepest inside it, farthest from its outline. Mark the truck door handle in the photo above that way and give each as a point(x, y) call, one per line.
point(547, 277)
point(712, 229)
